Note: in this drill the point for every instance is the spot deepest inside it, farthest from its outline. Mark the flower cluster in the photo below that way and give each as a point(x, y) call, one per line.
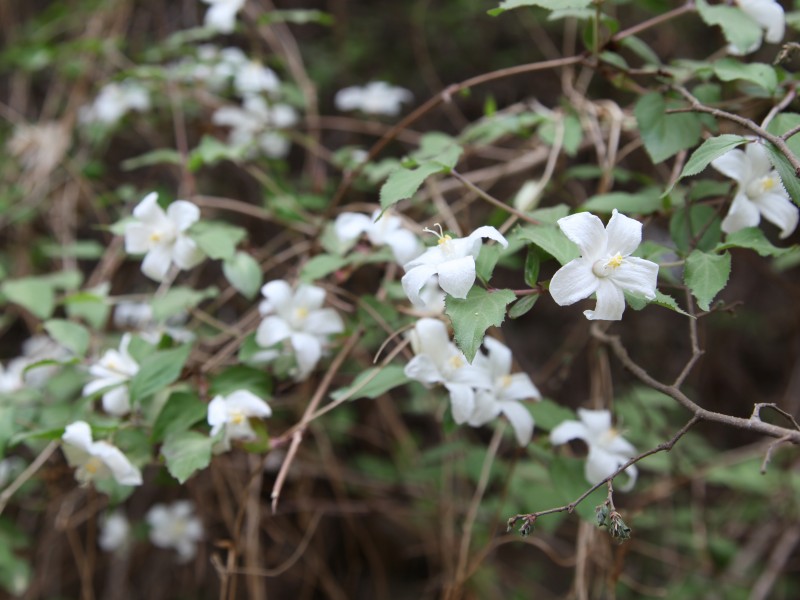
point(114, 101)
point(375, 98)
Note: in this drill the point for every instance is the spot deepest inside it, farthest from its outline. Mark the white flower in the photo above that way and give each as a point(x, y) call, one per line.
point(114, 101)
point(221, 15)
point(231, 414)
point(34, 350)
point(96, 460)
point(452, 260)
point(112, 373)
point(299, 318)
point(176, 527)
point(386, 231)
point(161, 236)
point(115, 532)
point(760, 192)
point(768, 14)
point(254, 125)
point(11, 375)
point(608, 450)
point(506, 392)
point(438, 360)
point(139, 316)
point(606, 267)
point(377, 98)
point(254, 78)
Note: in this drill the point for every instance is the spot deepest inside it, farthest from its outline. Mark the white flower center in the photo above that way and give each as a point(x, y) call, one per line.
point(237, 417)
point(443, 238)
point(505, 381)
point(605, 266)
point(761, 186)
point(456, 362)
point(92, 467)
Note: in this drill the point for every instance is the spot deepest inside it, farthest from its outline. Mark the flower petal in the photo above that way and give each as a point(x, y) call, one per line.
point(250, 404)
point(486, 231)
point(157, 261)
point(414, 280)
point(779, 210)
point(596, 421)
point(587, 232)
point(309, 297)
point(79, 435)
point(574, 281)
point(278, 296)
point(610, 302)
point(186, 253)
point(758, 159)
point(183, 214)
point(456, 277)
point(148, 209)
point(498, 359)
point(624, 234)
point(307, 352)
point(733, 164)
point(636, 275)
point(519, 387)
point(121, 468)
point(569, 430)
point(117, 401)
point(324, 321)
point(742, 213)
point(521, 420)
point(404, 244)
point(137, 238)
point(486, 409)
point(272, 330)
point(422, 368)
point(350, 225)
point(769, 15)
point(462, 401)
point(600, 464)
point(430, 337)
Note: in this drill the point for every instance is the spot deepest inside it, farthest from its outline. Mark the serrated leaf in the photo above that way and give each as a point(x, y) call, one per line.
point(552, 240)
point(186, 452)
point(730, 69)
point(547, 4)
point(643, 203)
point(32, 293)
point(665, 135)
point(244, 273)
point(179, 413)
point(784, 122)
point(753, 239)
point(217, 239)
point(638, 302)
point(473, 315)
point(157, 370)
point(788, 175)
point(738, 28)
point(404, 183)
point(373, 383)
point(706, 274)
point(438, 148)
point(709, 150)
point(70, 335)
point(178, 300)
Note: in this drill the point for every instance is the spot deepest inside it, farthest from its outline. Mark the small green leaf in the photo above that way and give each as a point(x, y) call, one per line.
point(706, 274)
point(784, 122)
point(161, 156)
point(186, 452)
point(522, 306)
point(665, 135)
point(180, 412)
point(32, 293)
point(547, 4)
point(569, 477)
point(438, 148)
point(244, 273)
point(90, 306)
point(638, 303)
point(373, 383)
point(752, 238)
point(178, 300)
point(321, 266)
point(211, 150)
point(404, 183)
point(487, 261)
point(709, 150)
point(70, 335)
point(472, 316)
point(217, 239)
point(642, 203)
point(532, 264)
point(300, 16)
point(730, 69)
point(241, 377)
point(689, 221)
point(157, 371)
point(552, 240)
point(786, 171)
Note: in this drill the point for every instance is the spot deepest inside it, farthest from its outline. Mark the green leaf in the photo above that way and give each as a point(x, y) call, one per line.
point(321, 266)
point(569, 478)
point(157, 371)
point(709, 150)
point(706, 274)
point(70, 335)
point(178, 300)
point(547, 4)
point(548, 414)
point(186, 452)
point(782, 123)
point(218, 240)
point(211, 150)
point(573, 133)
point(638, 302)
point(89, 306)
point(664, 135)
point(241, 377)
point(472, 316)
point(523, 306)
point(788, 175)
point(297, 16)
point(160, 156)
point(643, 203)
point(404, 183)
point(532, 264)
point(373, 383)
point(730, 69)
point(438, 148)
point(552, 240)
point(689, 221)
point(752, 238)
point(487, 261)
point(738, 28)
point(32, 293)
point(244, 273)
point(179, 413)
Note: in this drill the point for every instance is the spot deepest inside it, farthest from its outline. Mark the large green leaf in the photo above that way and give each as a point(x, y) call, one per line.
point(706, 273)
point(788, 175)
point(730, 69)
point(665, 135)
point(753, 239)
point(643, 203)
point(68, 334)
point(404, 183)
point(178, 300)
point(186, 452)
point(738, 28)
point(552, 240)
point(157, 371)
point(244, 273)
point(180, 412)
point(32, 293)
point(473, 315)
point(547, 4)
point(709, 150)
point(217, 239)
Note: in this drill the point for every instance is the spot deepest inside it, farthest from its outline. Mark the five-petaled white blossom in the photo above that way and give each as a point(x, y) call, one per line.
point(221, 14)
point(506, 392)
point(376, 98)
point(769, 16)
point(608, 450)
point(115, 532)
point(231, 415)
point(605, 267)
point(452, 261)
point(114, 101)
point(161, 236)
point(387, 230)
point(760, 191)
point(96, 460)
point(297, 317)
point(175, 526)
point(112, 373)
point(439, 361)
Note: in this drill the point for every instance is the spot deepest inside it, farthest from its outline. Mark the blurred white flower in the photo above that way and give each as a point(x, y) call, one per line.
point(254, 126)
point(221, 14)
point(114, 101)
point(608, 450)
point(139, 316)
point(452, 260)
point(254, 78)
point(231, 415)
point(112, 373)
point(377, 98)
point(386, 231)
point(760, 191)
point(439, 361)
point(769, 16)
point(297, 317)
point(506, 392)
point(96, 460)
point(605, 267)
point(161, 236)
point(175, 526)
point(11, 375)
point(115, 532)
point(35, 349)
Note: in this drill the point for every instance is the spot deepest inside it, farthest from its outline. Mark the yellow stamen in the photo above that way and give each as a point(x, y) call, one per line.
point(505, 381)
point(444, 239)
point(456, 362)
point(614, 261)
point(93, 465)
point(237, 417)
